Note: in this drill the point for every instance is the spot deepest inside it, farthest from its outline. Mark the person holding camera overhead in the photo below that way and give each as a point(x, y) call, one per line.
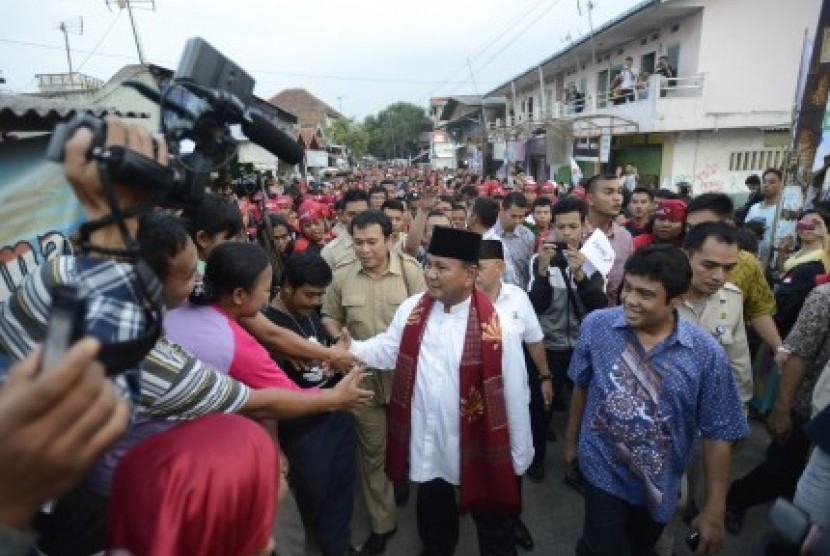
point(561, 293)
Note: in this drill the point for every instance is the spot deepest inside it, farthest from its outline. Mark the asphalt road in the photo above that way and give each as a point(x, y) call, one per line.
point(553, 512)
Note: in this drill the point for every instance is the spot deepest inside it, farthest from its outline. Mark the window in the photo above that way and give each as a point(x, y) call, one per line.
point(756, 161)
point(673, 54)
point(648, 62)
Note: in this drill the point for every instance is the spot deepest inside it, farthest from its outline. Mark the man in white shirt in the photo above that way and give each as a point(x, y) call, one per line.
point(764, 211)
point(622, 88)
point(460, 387)
point(514, 302)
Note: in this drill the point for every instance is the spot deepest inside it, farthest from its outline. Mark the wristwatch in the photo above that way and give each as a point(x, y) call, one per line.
point(545, 376)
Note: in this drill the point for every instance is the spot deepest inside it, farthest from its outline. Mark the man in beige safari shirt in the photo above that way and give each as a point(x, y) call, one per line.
point(363, 297)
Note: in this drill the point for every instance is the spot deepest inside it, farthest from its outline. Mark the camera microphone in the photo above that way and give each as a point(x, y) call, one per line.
point(265, 134)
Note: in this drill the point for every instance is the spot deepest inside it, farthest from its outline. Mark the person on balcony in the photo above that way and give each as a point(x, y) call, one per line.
point(667, 74)
point(575, 99)
point(622, 88)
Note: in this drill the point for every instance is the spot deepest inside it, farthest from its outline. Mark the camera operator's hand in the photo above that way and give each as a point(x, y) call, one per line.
point(576, 260)
point(82, 171)
point(53, 426)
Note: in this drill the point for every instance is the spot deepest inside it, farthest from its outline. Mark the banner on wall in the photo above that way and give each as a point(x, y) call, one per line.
point(37, 208)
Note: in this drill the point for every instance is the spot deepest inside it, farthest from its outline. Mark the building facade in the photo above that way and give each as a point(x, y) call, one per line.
point(725, 113)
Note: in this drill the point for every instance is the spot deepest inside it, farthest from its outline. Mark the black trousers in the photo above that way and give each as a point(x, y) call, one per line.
point(77, 525)
point(320, 450)
point(776, 476)
point(613, 527)
point(438, 523)
point(558, 362)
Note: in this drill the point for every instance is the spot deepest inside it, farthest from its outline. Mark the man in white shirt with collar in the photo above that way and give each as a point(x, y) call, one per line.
point(458, 417)
point(514, 302)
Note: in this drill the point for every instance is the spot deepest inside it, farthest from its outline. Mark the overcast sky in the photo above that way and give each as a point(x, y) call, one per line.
point(368, 52)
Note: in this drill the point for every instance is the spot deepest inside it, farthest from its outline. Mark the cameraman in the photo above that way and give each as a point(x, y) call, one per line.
point(116, 311)
point(115, 306)
point(108, 278)
point(561, 293)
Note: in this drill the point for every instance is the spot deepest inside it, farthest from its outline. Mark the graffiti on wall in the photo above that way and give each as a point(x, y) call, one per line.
point(22, 258)
point(38, 210)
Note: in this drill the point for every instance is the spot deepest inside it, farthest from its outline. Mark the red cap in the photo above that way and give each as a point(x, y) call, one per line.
point(531, 188)
point(284, 201)
point(670, 209)
point(547, 187)
point(309, 210)
point(579, 193)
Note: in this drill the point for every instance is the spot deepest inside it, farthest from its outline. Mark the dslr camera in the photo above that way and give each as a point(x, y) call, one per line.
point(207, 95)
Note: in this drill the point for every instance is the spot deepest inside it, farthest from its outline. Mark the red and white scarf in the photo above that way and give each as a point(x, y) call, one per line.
point(488, 481)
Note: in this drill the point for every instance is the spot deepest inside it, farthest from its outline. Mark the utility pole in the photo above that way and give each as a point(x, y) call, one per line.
point(128, 4)
point(76, 27)
point(135, 32)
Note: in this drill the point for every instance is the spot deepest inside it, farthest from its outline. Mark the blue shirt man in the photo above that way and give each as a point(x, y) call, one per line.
point(647, 383)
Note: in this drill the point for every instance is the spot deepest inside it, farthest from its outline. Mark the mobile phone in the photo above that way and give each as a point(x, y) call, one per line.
point(693, 540)
point(66, 324)
point(559, 245)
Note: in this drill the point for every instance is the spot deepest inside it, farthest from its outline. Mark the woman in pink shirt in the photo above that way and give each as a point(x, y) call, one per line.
point(236, 284)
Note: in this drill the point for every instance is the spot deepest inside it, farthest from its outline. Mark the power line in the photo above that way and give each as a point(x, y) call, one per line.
point(369, 79)
point(521, 33)
point(490, 42)
point(101, 41)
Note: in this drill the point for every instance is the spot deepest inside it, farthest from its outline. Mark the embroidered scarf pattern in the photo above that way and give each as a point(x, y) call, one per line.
point(488, 481)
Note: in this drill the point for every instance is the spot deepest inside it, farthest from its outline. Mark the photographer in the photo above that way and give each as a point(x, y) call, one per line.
point(117, 294)
point(561, 293)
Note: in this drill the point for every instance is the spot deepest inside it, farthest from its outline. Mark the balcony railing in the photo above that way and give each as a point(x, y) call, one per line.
point(645, 98)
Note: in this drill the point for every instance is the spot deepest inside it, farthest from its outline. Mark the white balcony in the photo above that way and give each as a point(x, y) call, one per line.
point(660, 105)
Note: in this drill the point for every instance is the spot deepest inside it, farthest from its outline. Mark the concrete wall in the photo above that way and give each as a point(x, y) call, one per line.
point(703, 158)
point(750, 51)
point(259, 157)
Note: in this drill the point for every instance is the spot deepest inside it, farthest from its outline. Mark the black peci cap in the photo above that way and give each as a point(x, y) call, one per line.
point(454, 244)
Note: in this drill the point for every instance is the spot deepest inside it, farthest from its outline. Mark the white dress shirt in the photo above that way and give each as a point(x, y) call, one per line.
point(434, 443)
point(514, 303)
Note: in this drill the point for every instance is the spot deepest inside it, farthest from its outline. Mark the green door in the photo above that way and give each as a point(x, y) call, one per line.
point(647, 158)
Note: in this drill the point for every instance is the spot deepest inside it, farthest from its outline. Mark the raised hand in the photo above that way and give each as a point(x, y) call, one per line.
point(350, 393)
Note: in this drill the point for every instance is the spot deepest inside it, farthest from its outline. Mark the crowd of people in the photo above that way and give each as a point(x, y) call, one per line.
point(411, 328)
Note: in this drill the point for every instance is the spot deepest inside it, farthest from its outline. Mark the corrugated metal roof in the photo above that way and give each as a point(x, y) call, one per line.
point(35, 113)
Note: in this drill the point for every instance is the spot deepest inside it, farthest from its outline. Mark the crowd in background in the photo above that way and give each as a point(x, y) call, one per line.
point(274, 293)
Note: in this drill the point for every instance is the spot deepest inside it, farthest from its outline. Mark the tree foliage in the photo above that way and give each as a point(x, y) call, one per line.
point(349, 133)
point(394, 131)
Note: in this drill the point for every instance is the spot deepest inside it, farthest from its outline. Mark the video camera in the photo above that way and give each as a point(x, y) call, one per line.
point(246, 185)
point(207, 95)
